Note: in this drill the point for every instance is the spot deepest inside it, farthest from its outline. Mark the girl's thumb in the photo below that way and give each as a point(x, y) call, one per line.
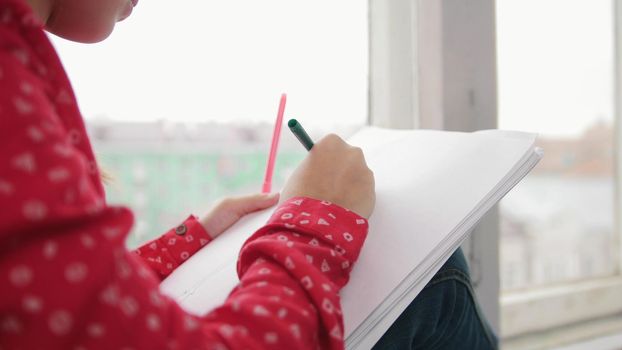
point(248, 204)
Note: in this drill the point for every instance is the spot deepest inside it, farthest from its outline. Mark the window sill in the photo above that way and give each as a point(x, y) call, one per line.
point(546, 309)
point(576, 336)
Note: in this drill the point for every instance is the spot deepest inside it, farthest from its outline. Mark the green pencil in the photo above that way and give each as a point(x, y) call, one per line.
point(300, 133)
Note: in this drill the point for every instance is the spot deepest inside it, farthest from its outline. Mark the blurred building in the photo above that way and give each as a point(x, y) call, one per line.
point(558, 224)
point(590, 155)
point(164, 171)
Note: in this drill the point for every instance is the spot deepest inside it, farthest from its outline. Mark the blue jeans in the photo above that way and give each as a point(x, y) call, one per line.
point(445, 315)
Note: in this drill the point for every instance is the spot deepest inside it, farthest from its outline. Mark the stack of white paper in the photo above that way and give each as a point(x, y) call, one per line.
point(431, 186)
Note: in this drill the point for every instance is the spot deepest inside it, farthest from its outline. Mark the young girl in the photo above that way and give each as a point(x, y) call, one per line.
point(68, 280)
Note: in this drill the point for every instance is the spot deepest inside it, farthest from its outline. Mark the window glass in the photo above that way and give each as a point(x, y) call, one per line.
point(555, 63)
point(180, 101)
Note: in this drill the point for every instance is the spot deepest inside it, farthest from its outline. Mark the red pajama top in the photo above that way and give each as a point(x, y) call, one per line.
point(66, 278)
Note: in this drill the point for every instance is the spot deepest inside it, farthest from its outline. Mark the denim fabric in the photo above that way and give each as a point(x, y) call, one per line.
point(445, 315)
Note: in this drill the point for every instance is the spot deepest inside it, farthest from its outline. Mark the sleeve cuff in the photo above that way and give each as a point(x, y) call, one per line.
point(328, 222)
point(170, 250)
point(186, 239)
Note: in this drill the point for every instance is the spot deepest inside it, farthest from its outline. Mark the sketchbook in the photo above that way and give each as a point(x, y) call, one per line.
point(432, 187)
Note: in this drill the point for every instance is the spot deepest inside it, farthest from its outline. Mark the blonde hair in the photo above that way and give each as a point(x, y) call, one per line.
point(105, 176)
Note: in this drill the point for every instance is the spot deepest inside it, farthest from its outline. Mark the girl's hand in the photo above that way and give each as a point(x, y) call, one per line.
point(228, 211)
point(336, 172)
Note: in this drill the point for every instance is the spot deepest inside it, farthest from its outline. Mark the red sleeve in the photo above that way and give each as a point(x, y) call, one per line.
point(294, 267)
point(70, 283)
point(166, 253)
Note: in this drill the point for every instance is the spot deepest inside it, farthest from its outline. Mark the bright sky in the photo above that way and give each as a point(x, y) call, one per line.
point(200, 60)
point(229, 60)
point(555, 64)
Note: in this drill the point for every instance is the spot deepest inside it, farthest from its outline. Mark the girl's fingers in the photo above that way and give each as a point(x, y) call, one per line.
point(248, 204)
point(230, 210)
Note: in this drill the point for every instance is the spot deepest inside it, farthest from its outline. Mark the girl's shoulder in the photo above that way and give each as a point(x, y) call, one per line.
point(18, 14)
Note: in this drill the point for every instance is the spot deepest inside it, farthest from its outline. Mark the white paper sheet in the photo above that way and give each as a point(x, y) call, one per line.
point(432, 187)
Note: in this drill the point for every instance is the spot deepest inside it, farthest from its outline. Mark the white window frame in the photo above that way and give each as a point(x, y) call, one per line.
point(433, 65)
point(561, 308)
point(419, 78)
point(617, 13)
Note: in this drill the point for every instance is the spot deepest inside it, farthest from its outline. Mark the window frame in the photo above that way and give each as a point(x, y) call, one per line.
point(617, 23)
point(418, 79)
point(562, 304)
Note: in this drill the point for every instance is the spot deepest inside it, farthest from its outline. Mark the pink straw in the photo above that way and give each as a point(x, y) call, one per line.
point(276, 135)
